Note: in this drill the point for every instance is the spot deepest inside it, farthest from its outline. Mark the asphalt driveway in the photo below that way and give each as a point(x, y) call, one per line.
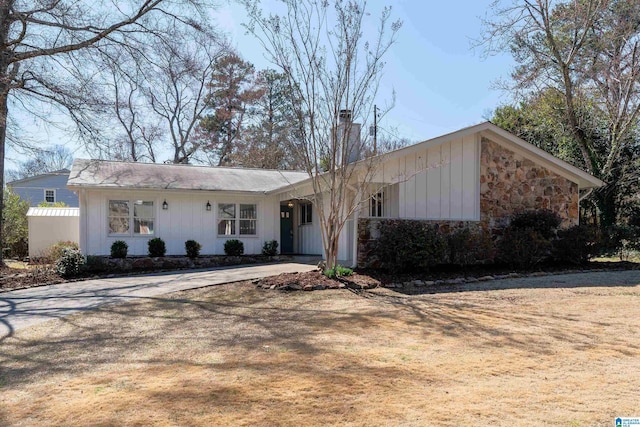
point(27, 307)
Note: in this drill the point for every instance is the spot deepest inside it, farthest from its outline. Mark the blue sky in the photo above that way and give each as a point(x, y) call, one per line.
point(442, 84)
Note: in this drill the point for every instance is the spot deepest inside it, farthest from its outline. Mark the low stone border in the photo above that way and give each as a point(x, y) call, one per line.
point(463, 280)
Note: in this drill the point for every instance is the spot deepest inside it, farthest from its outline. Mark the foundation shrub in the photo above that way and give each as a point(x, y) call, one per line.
point(119, 249)
point(233, 247)
point(270, 248)
point(470, 247)
point(575, 245)
point(523, 247)
point(406, 245)
point(542, 221)
point(192, 248)
point(157, 247)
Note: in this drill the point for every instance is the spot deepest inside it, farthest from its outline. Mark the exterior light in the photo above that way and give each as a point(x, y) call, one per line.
point(165, 205)
point(290, 204)
point(208, 206)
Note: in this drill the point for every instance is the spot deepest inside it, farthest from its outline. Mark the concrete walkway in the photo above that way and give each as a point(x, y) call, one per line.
point(26, 307)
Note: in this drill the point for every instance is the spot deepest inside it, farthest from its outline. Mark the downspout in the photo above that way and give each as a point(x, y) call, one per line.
point(82, 196)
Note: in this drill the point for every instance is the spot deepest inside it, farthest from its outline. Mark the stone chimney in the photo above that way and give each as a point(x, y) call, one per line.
point(346, 125)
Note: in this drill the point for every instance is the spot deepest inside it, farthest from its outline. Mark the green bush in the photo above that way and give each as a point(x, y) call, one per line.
point(55, 251)
point(468, 247)
point(233, 247)
point(70, 262)
point(192, 248)
point(270, 248)
point(338, 271)
point(14, 225)
point(575, 245)
point(523, 247)
point(119, 249)
point(157, 248)
point(542, 221)
point(406, 245)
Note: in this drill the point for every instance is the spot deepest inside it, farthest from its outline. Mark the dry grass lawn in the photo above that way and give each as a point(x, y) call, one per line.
point(561, 350)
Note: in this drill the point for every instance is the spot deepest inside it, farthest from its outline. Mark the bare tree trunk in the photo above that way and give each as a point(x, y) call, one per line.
point(3, 138)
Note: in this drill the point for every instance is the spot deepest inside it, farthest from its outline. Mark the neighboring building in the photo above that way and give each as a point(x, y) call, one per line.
point(48, 226)
point(48, 187)
point(480, 175)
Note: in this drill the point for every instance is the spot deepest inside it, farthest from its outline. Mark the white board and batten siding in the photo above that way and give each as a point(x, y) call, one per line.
point(185, 219)
point(438, 183)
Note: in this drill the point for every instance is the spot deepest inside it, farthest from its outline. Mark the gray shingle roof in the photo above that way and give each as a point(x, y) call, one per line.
point(110, 174)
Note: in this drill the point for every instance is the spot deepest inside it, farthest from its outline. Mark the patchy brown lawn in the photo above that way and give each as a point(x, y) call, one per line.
point(559, 350)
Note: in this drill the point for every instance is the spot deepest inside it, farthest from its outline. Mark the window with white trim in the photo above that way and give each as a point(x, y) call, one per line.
point(131, 217)
point(237, 219)
point(50, 196)
point(306, 213)
point(376, 205)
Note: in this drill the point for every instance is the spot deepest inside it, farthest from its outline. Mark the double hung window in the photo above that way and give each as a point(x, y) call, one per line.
point(131, 217)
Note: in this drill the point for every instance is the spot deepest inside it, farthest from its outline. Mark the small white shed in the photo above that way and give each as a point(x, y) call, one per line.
point(51, 225)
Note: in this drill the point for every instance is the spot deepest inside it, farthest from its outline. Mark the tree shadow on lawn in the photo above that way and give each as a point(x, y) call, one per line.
point(173, 331)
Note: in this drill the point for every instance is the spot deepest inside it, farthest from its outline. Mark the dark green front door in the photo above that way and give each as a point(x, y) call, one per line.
point(286, 229)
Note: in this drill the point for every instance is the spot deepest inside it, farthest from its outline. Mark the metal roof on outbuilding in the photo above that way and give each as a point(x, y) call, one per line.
point(109, 174)
point(42, 211)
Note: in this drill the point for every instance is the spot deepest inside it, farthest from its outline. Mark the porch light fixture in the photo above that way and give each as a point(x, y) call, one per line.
point(208, 206)
point(165, 205)
point(290, 203)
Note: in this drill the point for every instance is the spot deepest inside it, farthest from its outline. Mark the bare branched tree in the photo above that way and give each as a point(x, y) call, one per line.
point(588, 53)
point(48, 159)
point(333, 74)
point(41, 45)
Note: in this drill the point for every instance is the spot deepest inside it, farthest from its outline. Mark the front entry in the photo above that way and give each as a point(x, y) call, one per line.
point(286, 229)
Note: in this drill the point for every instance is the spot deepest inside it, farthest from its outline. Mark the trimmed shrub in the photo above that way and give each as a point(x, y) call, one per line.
point(523, 247)
point(55, 251)
point(543, 221)
point(119, 249)
point(270, 248)
point(233, 247)
point(406, 245)
point(192, 248)
point(575, 245)
point(468, 247)
point(69, 263)
point(157, 248)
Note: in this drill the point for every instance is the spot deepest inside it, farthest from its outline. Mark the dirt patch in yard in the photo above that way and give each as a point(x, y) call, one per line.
point(18, 278)
point(556, 350)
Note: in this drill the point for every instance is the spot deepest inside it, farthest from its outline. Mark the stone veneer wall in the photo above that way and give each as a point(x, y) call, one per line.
point(509, 184)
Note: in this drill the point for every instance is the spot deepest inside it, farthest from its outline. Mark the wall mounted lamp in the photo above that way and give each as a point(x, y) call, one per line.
point(208, 206)
point(290, 203)
point(165, 205)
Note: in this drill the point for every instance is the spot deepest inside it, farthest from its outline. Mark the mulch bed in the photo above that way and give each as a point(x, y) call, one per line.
point(16, 278)
point(315, 281)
